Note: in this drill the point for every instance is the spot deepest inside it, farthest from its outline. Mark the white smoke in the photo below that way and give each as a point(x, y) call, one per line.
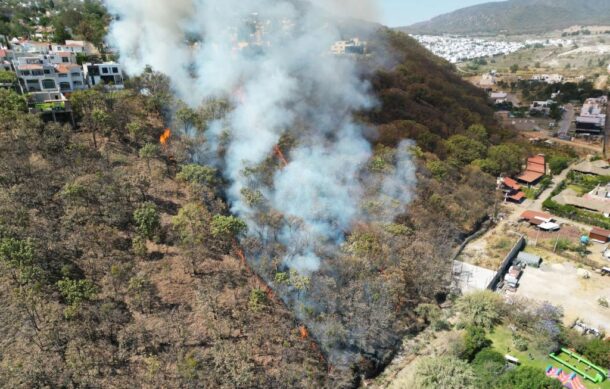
point(272, 59)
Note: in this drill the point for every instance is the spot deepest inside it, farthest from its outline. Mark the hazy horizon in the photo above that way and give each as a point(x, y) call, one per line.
point(397, 13)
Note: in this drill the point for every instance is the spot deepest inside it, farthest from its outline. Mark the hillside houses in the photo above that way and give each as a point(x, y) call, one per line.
point(49, 72)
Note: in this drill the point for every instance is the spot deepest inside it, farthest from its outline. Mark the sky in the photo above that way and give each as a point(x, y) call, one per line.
point(396, 13)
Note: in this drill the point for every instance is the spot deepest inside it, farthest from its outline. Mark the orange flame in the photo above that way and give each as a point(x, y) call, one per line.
point(280, 156)
point(164, 138)
point(304, 332)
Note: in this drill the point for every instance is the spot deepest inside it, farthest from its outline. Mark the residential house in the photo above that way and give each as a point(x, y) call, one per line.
point(31, 47)
point(542, 106)
point(74, 47)
point(499, 97)
point(352, 46)
point(512, 190)
point(597, 168)
point(535, 217)
point(108, 73)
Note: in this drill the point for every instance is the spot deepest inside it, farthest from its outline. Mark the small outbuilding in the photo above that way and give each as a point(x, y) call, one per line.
point(599, 235)
point(528, 259)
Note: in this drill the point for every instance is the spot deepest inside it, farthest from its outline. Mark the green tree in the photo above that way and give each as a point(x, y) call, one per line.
point(464, 150)
point(488, 365)
point(198, 174)
point(514, 68)
point(478, 132)
point(504, 158)
point(527, 377)
point(191, 224)
point(148, 221)
point(444, 372)
point(481, 309)
point(19, 256)
point(75, 292)
point(12, 102)
point(474, 341)
point(227, 227)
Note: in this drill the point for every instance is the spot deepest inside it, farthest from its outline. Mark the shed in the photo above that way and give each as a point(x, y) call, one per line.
point(599, 235)
point(528, 259)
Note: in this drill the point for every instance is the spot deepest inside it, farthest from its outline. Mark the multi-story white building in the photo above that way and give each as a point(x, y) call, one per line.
point(70, 77)
point(38, 73)
point(108, 73)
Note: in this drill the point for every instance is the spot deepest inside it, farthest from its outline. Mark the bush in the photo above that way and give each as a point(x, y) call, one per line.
point(520, 343)
point(557, 164)
point(444, 372)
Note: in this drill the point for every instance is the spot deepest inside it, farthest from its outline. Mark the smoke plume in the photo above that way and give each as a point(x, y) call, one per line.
point(271, 59)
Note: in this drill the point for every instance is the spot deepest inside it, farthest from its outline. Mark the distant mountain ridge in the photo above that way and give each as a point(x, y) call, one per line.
point(517, 16)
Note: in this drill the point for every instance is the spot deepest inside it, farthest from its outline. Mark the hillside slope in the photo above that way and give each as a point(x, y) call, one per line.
point(119, 266)
point(517, 16)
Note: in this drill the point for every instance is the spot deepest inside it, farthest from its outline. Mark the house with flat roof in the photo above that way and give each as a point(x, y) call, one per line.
point(109, 74)
point(597, 168)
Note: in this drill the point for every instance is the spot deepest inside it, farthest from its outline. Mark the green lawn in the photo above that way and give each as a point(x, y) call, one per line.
point(502, 342)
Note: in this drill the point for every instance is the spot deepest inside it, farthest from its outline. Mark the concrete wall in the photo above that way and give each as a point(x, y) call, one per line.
point(507, 263)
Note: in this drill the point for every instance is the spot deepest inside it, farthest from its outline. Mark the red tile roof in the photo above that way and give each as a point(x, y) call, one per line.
point(30, 67)
point(600, 232)
point(530, 176)
point(536, 164)
point(535, 215)
point(511, 183)
point(518, 196)
point(65, 68)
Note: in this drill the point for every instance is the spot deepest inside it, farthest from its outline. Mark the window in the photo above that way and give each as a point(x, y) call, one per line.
point(105, 70)
point(115, 70)
point(48, 84)
point(33, 85)
point(37, 72)
point(64, 85)
point(77, 83)
point(47, 71)
point(65, 59)
point(25, 72)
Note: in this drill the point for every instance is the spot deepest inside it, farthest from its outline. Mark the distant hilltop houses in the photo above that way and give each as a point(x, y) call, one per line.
point(459, 49)
point(353, 46)
point(49, 72)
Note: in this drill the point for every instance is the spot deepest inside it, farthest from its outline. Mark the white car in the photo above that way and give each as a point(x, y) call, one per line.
point(549, 226)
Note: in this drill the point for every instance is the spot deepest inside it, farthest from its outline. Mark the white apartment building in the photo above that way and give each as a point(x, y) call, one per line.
point(109, 74)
